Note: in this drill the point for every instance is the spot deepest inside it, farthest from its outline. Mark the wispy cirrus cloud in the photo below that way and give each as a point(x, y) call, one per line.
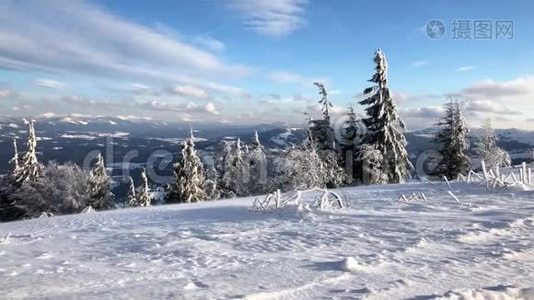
point(271, 17)
point(420, 63)
point(288, 77)
point(464, 68)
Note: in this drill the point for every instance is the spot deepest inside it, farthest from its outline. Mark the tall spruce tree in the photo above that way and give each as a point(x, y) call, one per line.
point(29, 167)
point(189, 172)
point(144, 198)
point(384, 128)
point(100, 193)
point(488, 151)
point(452, 139)
point(321, 130)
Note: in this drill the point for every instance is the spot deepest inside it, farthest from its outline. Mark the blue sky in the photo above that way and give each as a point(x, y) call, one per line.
point(255, 61)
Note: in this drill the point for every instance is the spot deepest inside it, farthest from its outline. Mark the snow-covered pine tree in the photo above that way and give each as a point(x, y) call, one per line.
point(144, 198)
point(258, 166)
point(29, 167)
point(132, 197)
point(189, 183)
point(452, 139)
point(223, 167)
point(100, 193)
point(488, 151)
point(15, 160)
point(321, 130)
point(384, 127)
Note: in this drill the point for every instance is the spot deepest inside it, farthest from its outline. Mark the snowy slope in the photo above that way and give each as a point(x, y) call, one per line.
point(482, 247)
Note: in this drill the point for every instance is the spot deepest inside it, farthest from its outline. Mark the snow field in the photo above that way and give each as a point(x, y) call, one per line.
point(379, 248)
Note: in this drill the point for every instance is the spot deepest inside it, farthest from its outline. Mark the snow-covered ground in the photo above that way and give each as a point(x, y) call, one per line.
point(379, 248)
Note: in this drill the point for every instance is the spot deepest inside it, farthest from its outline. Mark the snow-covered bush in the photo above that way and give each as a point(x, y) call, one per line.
point(62, 189)
point(303, 168)
point(258, 168)
point(488, 151)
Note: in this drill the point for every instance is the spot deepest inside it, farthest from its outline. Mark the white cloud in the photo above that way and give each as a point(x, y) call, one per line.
point(49, 83)
point(210, 108)
point(187, 108)
point(487, 106)
point(271, 17)
point(85, 39)
point(4, 93)
point(420, 63)
point(210, 43)
point(464, 68)
point(522, 86)
point(190, 91)
point(140, 89)
point(48, 115)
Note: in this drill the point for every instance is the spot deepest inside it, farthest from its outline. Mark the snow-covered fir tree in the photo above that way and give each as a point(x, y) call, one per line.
point(189, 183)
point(100, 193)
point(349, 147)
point(234, 170)
point(144, 199)
point(488, 151)
point(324, 138)
point(384, 128)
point(29, 166)
point(240, 170)
point(258, 166)
point(15, 160)
point(132, 197)
point(452, 139)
